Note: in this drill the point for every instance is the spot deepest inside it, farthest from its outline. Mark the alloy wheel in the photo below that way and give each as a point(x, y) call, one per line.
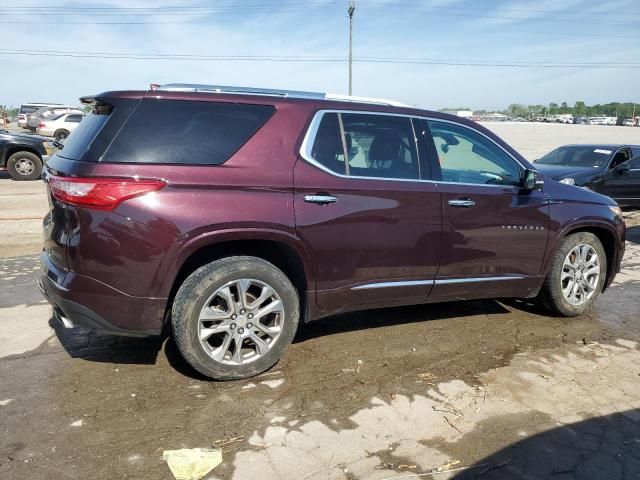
point(25, 166)
point(241, 321)
point(580, 274)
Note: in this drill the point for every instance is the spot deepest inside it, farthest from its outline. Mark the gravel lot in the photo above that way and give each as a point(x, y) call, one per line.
point(484, 389)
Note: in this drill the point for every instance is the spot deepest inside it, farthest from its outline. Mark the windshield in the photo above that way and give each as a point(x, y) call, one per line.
point(577, 156)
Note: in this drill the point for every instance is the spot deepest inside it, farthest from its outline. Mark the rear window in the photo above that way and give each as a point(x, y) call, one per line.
point(80, 140)
point(186, 132)
point(27, 109)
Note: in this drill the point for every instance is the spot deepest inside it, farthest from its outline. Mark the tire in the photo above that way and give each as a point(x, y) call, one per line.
point(24, 166)
point(206, 290)
point(61, 134)
point(552, 294)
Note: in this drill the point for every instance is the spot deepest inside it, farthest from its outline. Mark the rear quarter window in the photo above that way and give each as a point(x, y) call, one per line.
point(186, 132)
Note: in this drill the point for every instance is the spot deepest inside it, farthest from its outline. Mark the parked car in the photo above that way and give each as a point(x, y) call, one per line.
point(34, 119)
point(23, 155)
point(629, 122)
point(233, 215)
point(28, 108)
point(606, 169)
point(59, 126)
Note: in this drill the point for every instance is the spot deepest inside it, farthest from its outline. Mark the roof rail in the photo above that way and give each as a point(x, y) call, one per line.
point(375, 101)
point(190, 87)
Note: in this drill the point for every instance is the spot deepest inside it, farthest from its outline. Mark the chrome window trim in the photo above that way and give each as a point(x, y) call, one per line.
point(312, 130)
point(444, 281)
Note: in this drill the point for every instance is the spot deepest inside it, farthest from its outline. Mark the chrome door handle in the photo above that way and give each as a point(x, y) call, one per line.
point(462, 203)
point(320, 199)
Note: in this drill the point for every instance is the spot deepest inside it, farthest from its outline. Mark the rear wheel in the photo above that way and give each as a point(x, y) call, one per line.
point(577, 275)
point(235, 317)
point(24, 166)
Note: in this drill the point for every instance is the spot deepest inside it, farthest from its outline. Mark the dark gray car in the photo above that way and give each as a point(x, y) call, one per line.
point(612, 170)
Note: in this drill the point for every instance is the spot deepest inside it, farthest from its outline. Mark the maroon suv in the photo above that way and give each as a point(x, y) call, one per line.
point(233, 214)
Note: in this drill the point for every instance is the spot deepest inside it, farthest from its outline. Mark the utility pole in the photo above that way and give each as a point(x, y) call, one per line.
point(352, 8)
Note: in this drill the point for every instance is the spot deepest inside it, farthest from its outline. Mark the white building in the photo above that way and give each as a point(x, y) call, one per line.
point(459, 113)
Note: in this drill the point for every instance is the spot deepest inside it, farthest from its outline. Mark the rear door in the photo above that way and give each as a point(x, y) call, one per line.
point(494, 233)
point(362, 208)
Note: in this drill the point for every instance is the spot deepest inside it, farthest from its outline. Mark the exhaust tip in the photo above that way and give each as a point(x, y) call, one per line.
point(66, 323)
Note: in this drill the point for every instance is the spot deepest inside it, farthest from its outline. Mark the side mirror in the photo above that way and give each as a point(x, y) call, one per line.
point(532, 180)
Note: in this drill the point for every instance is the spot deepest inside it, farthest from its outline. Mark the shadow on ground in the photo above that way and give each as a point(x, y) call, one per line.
point(384, 317)
point(600, 448)
point(88, 345)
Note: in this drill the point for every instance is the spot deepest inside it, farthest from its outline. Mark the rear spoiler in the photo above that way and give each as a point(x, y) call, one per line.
point(88, 100)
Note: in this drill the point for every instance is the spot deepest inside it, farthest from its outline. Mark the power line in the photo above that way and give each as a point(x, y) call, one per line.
point(317, 59)
point(534, 19)
point(123, 12)
point(302, 5)
point(510, 10)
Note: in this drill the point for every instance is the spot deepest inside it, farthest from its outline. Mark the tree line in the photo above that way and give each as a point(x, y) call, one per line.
point(579, 109)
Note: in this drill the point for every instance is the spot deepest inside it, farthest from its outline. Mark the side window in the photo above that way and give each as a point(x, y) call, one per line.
point(74, 118)
point(380, 146)
point(621, 156)
point(466, 156)
point(635, 163)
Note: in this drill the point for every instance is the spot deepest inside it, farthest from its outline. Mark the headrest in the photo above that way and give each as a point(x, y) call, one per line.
point(386, 146)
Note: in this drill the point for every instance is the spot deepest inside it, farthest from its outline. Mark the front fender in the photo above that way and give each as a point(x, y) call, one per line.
point(607, 222)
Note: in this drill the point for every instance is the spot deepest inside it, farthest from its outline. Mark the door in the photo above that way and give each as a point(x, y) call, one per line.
point(623, 182)
point(372, 225)
point(494, 232)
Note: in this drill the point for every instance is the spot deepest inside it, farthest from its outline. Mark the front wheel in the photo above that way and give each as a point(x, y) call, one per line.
point(235, 317)
point(577, 275)
point(24, 166)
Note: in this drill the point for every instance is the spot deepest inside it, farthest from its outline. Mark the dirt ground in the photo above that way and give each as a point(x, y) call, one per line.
point(484, 389)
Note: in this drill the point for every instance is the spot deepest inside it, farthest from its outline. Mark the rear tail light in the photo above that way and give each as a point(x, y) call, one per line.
point(100, 193)
point(41, 125)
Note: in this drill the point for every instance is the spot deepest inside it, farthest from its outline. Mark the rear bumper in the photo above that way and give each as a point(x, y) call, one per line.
point(86, 302)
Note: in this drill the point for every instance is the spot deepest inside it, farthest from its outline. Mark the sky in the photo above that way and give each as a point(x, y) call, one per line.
point(414, 51)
